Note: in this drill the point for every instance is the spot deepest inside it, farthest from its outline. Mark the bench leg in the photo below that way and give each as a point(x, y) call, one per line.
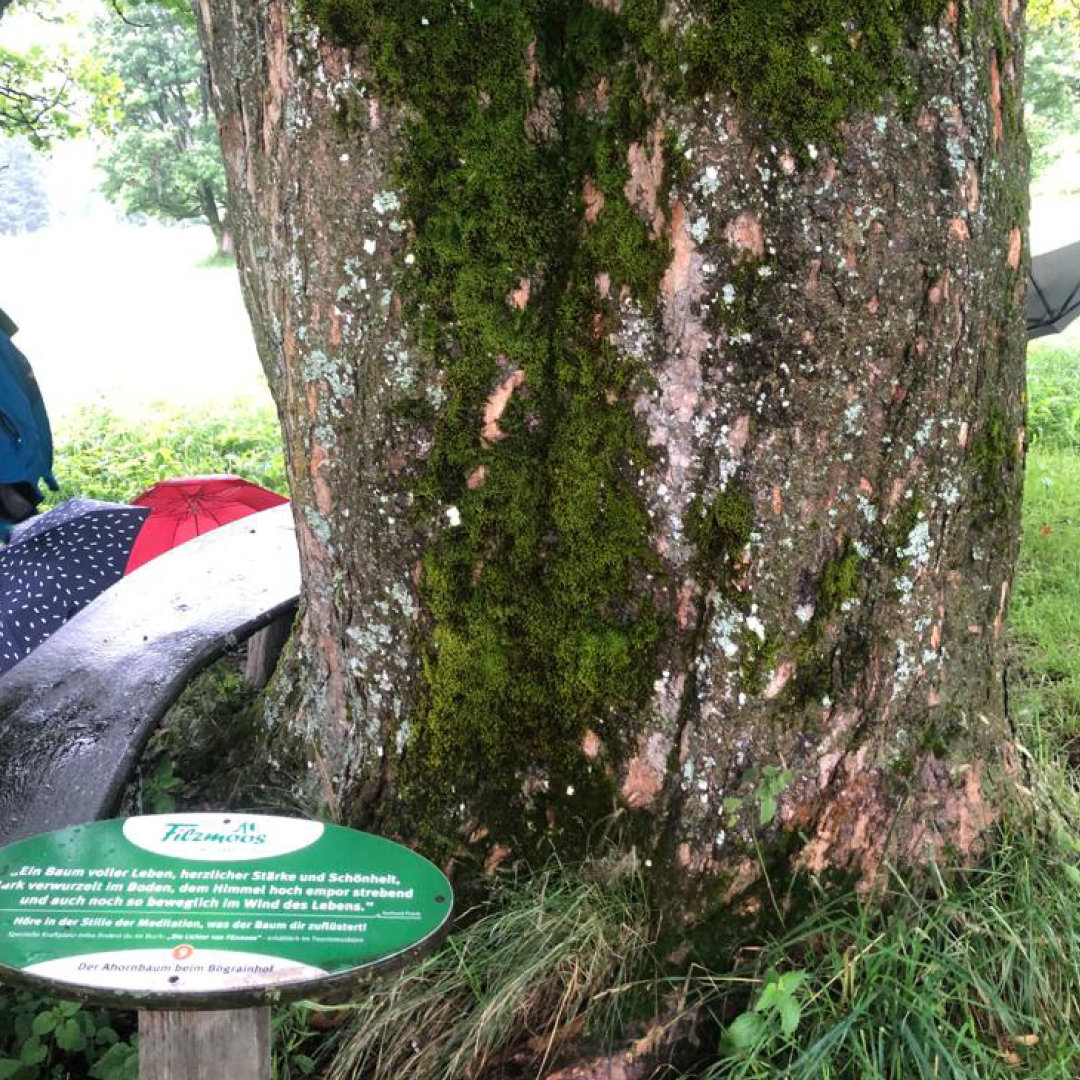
point(264, 648)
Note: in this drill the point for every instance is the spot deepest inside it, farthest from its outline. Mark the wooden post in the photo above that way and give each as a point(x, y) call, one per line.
point(229, 1044)
point(264, 648)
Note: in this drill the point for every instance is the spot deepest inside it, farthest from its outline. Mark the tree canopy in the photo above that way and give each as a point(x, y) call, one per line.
point(162, 157)
point(24, 201)
point(37, 89)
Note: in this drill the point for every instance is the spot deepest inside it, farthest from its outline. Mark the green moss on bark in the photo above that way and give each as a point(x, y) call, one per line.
point(538, 630)
point(721, 531)
point(995, 459)
point(815, 651)
point(803, 68)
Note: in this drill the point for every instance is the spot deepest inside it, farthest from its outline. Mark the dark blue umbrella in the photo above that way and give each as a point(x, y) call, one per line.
point(56, 564)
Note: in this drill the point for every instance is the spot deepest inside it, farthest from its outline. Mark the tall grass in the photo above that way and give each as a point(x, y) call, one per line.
point(102, 455)
point(548, 961)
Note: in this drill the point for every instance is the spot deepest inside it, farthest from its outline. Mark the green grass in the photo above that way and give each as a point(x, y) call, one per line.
point(103, 455)
point(1053, 400)
point(1045, 615)
point(217, 260)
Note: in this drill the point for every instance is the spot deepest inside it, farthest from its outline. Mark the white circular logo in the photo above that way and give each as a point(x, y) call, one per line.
point(221, 837)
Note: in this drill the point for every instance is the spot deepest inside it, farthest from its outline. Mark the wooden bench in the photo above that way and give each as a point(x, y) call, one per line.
point(76, 713)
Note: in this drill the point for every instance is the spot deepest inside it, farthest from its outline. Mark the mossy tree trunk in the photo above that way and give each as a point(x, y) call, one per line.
point(651, 377)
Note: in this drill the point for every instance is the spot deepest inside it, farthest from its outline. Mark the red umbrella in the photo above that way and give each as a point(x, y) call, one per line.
point(189, 506)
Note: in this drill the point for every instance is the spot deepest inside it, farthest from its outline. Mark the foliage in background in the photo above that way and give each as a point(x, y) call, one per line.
point(101, 455)
point(44, 93)
point(24, 200)
point(1051, 78)
point(161, 155)
point(36, 95)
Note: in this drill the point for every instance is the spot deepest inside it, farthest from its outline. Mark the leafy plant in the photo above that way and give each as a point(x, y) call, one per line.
point(774, 782)
point(44, 1039)
point(292, 1037)
point(160, 787)
point(776, 1012)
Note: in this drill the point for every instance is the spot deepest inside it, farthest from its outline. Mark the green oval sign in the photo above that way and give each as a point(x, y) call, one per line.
point(189, 909)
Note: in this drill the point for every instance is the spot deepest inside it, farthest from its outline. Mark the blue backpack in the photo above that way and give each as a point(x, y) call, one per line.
point(26, 449)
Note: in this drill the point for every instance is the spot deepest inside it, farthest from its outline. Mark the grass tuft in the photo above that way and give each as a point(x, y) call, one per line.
point(973, 975)
point(546, 962)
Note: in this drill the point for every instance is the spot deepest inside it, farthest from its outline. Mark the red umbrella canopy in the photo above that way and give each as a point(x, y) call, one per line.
point(189, 506)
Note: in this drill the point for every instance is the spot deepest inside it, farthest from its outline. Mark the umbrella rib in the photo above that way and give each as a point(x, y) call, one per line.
point(1048, 315)
point(1070, 302)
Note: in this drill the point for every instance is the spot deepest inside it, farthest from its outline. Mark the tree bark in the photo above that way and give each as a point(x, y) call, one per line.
point(714, 559)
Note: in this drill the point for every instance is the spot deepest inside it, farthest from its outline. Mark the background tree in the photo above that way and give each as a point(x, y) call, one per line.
point(37, 90)
point(24, 199)
point(651, 381)
point(1052, 91)
point(162, 156)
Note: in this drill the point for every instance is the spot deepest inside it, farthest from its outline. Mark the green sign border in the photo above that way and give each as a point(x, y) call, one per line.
point(238, 997)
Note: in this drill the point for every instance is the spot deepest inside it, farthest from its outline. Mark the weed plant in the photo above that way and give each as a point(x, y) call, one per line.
point(45, 1039)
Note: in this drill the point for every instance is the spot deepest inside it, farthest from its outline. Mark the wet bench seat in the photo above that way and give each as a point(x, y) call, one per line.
point(76, 713)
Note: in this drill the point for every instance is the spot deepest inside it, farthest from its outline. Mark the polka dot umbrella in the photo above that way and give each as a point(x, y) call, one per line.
point(55, 564)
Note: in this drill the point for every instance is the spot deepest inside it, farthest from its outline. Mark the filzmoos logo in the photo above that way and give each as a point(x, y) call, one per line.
point(187, 832)
point(221, 837)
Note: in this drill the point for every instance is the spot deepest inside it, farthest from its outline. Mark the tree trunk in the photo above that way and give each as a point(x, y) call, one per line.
point(209, 206)
point(651, 383)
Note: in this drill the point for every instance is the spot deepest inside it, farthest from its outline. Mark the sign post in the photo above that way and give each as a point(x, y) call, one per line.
point(202, 921)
